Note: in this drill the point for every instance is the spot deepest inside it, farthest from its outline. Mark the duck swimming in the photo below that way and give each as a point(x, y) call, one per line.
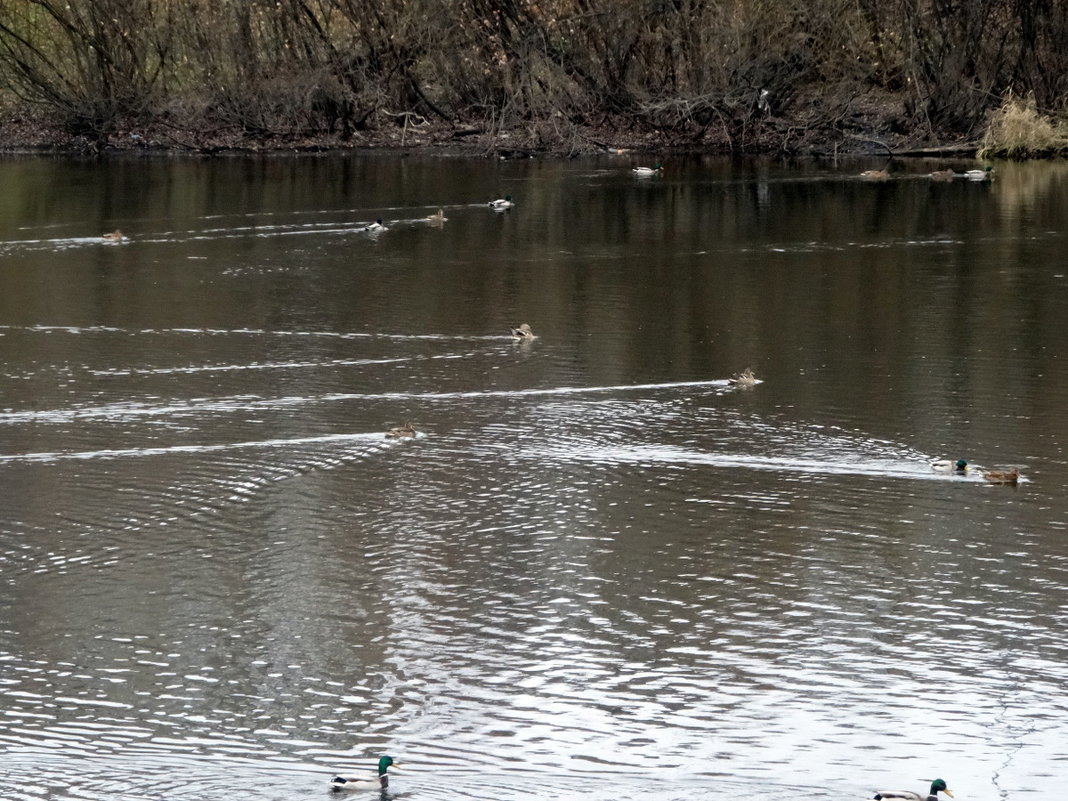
point(937, 786)
point(375, 227)
point(745, 378)
point(113, 236)
point(406, 430)
point(875, 175)
point(949, 466)
point(367, 781)
point(523, 332)
point(647, 170)
point(942, 175)
point(1002, 476)
point(984, 174)
point(501, 203)
point(437, 219)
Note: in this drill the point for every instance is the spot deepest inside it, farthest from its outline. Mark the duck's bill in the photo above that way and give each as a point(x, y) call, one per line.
point(947, 792)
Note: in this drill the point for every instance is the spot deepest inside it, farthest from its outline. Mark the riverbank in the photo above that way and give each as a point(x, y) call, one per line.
point(866, 128)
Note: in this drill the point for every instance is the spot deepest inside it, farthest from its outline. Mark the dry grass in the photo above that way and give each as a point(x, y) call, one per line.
point(1016, 130)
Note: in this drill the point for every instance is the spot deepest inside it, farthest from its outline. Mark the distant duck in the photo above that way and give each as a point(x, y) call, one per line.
point(746, 378)
point(937, 786)
point(501, 203)
point(647, 170)
point(375, 228)
point(366, 781)
point(406, 430)
point(437, 219)
point(984, 174)
point(522, 333)
point(1002, 476)
point(113, 236)
point(949, 466)
point(942, 175)
point(875, 175)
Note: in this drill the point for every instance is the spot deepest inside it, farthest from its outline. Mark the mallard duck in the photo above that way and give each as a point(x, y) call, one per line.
point(501, 203)
point(375, 228)
point(875, 175)
point(113, 236)
point(647, 170)
point(937, 786)
point(1002, 476)
point(984, 174)
point(365, 781)
point(437, 219)
point(949, 466)
point(744, 378)
point(523, 332)
point(942, 175)
point(406, 430)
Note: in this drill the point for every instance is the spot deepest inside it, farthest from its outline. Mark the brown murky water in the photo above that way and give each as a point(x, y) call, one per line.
point(600, 569)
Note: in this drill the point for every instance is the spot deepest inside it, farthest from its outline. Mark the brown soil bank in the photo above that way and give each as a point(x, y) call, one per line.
point(526, 76)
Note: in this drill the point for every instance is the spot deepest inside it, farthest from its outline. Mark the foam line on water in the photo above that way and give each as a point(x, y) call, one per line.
point(97, 329)
point(785, 464)
point(118, 453)
point(227, 368)
point(236, 404)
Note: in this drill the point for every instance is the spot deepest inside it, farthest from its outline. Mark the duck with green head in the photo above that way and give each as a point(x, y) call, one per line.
point(949, 466)
point(365, 781)
point(937, 786)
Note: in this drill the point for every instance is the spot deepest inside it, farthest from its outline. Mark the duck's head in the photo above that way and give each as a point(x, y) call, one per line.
point(386, 762)
point(939, 785)
point(960, 465)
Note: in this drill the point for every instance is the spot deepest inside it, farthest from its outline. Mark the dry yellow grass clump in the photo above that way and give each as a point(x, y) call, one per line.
point(1017, 130)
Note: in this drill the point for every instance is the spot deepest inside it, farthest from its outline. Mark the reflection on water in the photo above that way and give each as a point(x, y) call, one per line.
point(600, 569)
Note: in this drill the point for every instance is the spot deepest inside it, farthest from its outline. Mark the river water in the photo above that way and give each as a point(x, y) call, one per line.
point(600, 570)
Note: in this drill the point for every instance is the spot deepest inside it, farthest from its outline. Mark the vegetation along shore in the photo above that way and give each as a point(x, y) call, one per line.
point(515, 77)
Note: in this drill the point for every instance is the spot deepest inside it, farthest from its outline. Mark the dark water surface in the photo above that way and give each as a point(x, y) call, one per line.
point(600, 570)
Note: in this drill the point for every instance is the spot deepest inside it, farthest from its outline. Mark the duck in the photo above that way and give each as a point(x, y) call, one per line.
point(1002, 476)
point(523, 332)
point(745, 378)
point(501, 203)
point(375, 227)
point(113, 236)
point(984, 174)
point(406, 430)
point(437, 219)
point(875, 175)
point(937, 786)
point(647, 170)
point(367, 781)
point(942, 175)
point(949, 466)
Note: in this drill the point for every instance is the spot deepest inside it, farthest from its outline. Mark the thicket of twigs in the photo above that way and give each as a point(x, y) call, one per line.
point(549, 72)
